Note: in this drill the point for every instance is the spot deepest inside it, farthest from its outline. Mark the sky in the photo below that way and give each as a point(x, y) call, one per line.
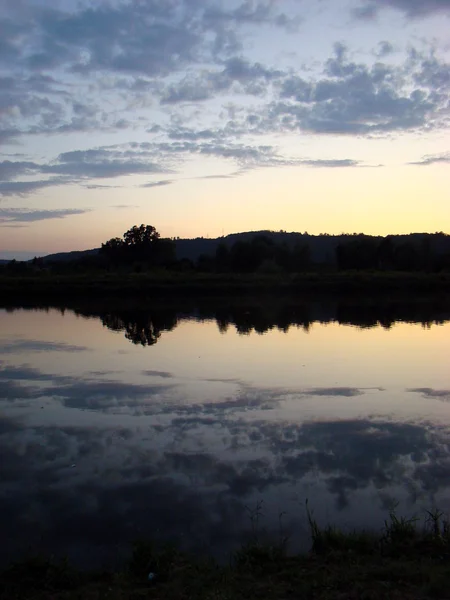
point(210, 117)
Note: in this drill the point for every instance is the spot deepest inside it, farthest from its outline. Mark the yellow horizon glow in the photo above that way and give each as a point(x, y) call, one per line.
point(375, 201)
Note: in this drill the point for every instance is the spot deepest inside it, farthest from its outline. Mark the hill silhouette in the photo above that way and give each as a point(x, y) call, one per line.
point(322, 247)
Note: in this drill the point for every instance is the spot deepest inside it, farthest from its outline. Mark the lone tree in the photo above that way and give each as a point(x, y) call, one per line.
point(142, 236)
point(140, 244)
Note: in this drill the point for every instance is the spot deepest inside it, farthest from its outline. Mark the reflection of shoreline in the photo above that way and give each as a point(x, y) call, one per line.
point(143, 323)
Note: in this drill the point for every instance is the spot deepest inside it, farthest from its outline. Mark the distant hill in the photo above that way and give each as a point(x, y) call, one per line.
point(71, 256)
point(322, 247)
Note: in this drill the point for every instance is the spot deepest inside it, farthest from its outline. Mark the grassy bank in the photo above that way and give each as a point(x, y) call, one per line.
point(166, 283)
point(405, 561)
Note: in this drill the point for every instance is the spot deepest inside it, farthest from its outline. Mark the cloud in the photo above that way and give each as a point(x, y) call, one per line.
point(249, 11)
point(351, 98)
point(429, 71)
point(12, 169)
point(30, 345)
point(152, 184)
point(23, 188)
point(108, 395)
point(336, 163)
point(247, 156)
point(25, 215)
point(346, 392)
point(384, 48)
point(8, 136)
point(184, 133)
point(102, 163)
point(97, 186)
point(431, 159)
point(229, 176)
point(149, 38)
point(238, 75)
point(12, 391)
point(189, 89)
point(412, 8)
point(432, 393)
point(249, 398)
point(345, 97)
point(80, 502)
point(32, 104)
point(191, 479)
point(77, 166)
point(163, 374)
point(12, 378)
point(58, 63)
point(29, 102)
point(124, 206)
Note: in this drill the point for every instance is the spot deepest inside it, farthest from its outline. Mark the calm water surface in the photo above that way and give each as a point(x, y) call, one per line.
point(169, 424)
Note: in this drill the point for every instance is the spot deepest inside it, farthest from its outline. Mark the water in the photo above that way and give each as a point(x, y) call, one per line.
point(174, 423)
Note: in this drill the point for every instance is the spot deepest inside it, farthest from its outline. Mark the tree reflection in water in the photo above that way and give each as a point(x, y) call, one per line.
point(144, 325)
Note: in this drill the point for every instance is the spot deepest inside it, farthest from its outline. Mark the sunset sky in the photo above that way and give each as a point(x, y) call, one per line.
point(209, 117)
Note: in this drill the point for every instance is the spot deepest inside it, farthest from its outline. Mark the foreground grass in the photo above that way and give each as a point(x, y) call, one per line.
point(167, 282)
point(403, 561)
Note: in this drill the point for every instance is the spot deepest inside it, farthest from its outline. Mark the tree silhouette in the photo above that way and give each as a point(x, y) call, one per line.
point(144, 235)
point(141, 245)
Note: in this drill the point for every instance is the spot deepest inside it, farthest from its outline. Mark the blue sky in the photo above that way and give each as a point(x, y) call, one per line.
point(207, 117)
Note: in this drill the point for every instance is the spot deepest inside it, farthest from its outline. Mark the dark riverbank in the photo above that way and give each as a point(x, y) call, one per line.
point(166, 283)
point(402, 561)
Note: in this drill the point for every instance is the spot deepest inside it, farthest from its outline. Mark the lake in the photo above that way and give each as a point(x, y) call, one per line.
point(205, 421)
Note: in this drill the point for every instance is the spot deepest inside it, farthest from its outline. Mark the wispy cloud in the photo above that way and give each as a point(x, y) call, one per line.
point(332, 163)
point(12, 346)
point(432, 393)
point(97, 186)
point(152, 184)
point(124, 206)
point(433, 159)
point(23, 188)
point(84, 167)
point(26, 215)
point(102, 163)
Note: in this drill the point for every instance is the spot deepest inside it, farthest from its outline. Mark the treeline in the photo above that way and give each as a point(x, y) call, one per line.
point(260, 254)
point(388, 254)
point(142, 249)
point(263, 254)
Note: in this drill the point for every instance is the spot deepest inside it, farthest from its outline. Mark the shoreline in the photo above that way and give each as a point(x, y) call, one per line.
point(402, 561)
point(170, 283)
